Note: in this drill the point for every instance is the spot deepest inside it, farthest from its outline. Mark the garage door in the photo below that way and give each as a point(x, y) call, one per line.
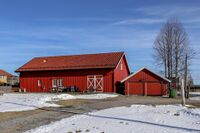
point(136, 88)
point(154, 89)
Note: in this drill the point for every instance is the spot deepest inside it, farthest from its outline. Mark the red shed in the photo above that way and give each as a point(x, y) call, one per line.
point(97, 72)
point(145, 82)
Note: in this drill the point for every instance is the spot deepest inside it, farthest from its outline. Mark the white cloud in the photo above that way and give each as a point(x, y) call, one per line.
point(77, 19)
point(169, 10)
point(139, 21)
point(159, 14)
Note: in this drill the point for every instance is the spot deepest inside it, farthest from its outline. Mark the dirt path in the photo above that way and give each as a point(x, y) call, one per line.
point(17, 122)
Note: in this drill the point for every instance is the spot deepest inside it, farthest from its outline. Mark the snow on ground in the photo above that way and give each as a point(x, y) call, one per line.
point(195, 96)
point(21, 102)
point(31, 101)
point(95, 96)
point(137, 118)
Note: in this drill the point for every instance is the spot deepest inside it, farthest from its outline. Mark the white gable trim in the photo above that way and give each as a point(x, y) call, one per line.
point(141, 70)
point(120, 60)
point(123, 56)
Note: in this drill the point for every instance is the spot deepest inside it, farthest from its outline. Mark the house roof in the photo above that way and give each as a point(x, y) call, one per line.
point(68, 62)
point(4, 73)
point(147, 70)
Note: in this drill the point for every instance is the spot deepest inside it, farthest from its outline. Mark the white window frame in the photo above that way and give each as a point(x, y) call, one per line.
point(57, 82)
point(39, 83)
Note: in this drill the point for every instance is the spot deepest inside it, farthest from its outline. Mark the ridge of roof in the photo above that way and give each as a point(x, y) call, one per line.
point(65, 62)
point(122, 52)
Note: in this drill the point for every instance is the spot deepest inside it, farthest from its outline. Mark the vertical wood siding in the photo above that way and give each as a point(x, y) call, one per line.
point(29, 80)
point(120, 74)
point(155, 85)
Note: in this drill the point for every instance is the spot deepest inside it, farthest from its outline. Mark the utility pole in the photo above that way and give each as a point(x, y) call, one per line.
point(185, 77)
point(183, 92)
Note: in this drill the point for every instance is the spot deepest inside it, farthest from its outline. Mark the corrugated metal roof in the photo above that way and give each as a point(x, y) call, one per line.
point(85, 61)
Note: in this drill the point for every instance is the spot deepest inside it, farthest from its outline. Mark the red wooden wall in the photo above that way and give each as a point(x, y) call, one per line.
point(119, 73)
point(154, 84)
point(29, 80)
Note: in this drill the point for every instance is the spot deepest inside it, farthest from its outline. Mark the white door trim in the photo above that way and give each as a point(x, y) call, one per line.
point(96, 82)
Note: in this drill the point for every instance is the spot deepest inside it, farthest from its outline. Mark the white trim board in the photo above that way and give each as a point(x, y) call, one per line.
point(141, 70)
point(123, 56)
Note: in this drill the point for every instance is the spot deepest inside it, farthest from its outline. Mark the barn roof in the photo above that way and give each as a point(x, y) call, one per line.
point(131, 75)
point(68, 62)
point(4, 73)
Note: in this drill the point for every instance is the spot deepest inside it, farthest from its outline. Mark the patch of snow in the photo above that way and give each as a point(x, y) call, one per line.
point(30, 101)
point(195, 96)
point(137, 118)
point(22, 102)
point(195, 93)
point(96, 96)
point(60, 97)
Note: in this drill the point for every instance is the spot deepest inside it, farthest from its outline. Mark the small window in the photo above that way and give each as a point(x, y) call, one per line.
point(121, 67)
point(39, 83)
point(57, 82)
point(54, 83)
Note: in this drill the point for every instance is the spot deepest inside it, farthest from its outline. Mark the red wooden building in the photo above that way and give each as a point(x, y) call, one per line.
point(99, 72)
point(145, 82)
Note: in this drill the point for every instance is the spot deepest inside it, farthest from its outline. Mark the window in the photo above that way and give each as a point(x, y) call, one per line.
point(54, 83)
point(121, 67)
point(57, 82)
point(60, 82)
point(1, 77)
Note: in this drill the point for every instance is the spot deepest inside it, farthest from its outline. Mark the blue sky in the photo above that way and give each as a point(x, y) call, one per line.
point(30, 28)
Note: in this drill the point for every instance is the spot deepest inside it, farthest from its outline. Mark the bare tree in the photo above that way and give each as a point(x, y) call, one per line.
point(180, 45)
point(161, 53)
point(163, 47)
point(170, 48)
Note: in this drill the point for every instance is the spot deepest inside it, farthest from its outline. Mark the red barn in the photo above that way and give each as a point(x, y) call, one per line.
point(97, 72)
point(145, 82)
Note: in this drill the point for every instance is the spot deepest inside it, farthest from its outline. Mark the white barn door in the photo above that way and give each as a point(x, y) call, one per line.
point(95, 83)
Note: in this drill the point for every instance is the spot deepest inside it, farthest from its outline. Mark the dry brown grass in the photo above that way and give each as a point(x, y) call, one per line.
point(10, 115)
point(73, 102)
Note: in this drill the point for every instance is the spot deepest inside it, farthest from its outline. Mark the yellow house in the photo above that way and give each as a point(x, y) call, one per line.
point(5, 77)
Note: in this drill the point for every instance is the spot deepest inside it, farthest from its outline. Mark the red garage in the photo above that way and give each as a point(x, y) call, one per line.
point(96, 72)
point(145, 82)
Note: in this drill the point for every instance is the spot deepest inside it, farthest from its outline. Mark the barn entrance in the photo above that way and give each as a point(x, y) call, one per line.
point(95, 83)
point(120, 88)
